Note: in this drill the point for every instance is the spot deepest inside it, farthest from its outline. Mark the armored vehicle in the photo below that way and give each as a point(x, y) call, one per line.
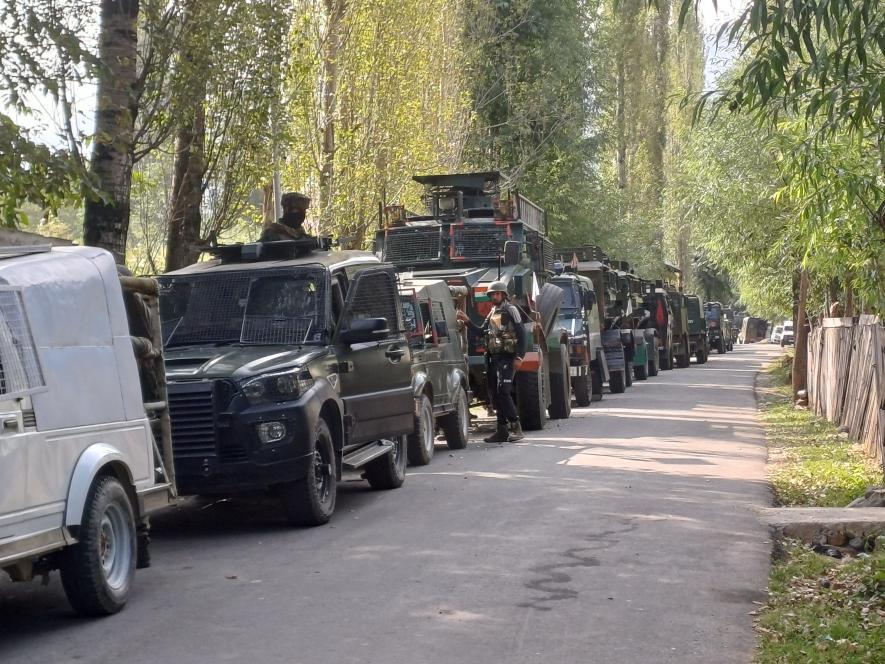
point(637, 339)
point(440, 377)
point(731, 327)
point(697, 328)
point(85, 452)
point(592, 263)
point(655, 300)
point(288, 364)
point(681, 348)
point(475, 233)
point(716, 332)
point(579, 316)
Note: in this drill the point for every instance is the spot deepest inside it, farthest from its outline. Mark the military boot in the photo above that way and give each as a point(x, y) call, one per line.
point(515, 432)
point(501, 435)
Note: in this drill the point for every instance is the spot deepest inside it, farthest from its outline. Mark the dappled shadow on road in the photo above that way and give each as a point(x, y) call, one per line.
point(641, 504)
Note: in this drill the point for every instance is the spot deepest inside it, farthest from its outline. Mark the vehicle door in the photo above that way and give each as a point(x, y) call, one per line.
point(438, 363)
point(23, 485)
point(375, 377)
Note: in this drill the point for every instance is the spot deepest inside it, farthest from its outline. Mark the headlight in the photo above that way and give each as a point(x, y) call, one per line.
point(276, 387)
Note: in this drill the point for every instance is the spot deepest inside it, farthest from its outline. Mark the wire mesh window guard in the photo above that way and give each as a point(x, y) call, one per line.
point(20, 371)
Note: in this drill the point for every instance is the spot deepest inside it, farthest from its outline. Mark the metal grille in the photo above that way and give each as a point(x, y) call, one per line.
point(410, 246)
point(257, 307)
point(375, 296)
point(193, 421)
point(547, 252)
point(19, 368)
point(478, 241)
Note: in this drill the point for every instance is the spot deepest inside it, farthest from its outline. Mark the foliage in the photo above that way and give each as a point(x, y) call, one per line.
point(398, 106)
point(811, 464)
point(32, 173)
point(823, 610)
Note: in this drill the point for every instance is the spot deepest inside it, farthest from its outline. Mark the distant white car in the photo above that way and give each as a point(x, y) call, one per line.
point(787, 336)
point(777, 333)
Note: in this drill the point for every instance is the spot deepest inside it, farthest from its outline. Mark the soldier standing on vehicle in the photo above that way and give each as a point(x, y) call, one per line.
point(504, 338)
point(289, 226)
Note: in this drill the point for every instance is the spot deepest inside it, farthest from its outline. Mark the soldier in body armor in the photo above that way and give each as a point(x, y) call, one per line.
point(290, 225)
point(504, 339)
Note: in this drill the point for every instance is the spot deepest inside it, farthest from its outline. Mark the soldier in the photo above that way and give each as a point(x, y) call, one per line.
point(504, 338)
point(289, 226)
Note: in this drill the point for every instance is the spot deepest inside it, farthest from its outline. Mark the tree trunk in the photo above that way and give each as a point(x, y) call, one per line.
point(268, 206)
point(800, 360)
point(185, 219)
point(620, 119)
point(331, 47)
point(658, 132)
point(106, 220)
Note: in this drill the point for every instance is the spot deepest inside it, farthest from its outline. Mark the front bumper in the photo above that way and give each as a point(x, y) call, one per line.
point(216, 445)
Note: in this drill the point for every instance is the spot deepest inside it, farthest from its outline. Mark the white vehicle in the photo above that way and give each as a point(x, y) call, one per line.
point(787, 336)
point(79, 465)
point(777, 333)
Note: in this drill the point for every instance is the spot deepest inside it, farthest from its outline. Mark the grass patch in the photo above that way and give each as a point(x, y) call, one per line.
point(823, 610)
point(810, 463)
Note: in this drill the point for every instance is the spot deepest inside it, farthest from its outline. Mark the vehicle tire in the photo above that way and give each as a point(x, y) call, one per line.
point(653, 367)
point(666, 359)
point(97, 572)
point(388, 471)
point(560, 388)
point(456, 425)
point(684, 359)
point(421, 442)
point(720, 347)
point(310, 501)
point(628, 374)
point(581, 386)
point(641, 372)
point(596, 383)
point(617, 382)
point(701, 356)
point(530, 400)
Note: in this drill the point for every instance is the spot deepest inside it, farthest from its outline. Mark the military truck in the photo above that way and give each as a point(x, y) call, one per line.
point(475, 232)
point(656, 301)
point(716, 328)
point(731, 327)
point(579, 316)
point(697, 328)
point(681, 348)
point(591, 262)
point(287, 365)
point(440, 377)
point(636, 338)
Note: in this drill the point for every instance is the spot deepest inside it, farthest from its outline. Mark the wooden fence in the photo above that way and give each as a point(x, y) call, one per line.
point(846, 378)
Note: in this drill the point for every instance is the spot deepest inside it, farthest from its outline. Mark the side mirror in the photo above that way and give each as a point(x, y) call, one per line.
point(512, 252)
point(364, 330)
point(589, 299)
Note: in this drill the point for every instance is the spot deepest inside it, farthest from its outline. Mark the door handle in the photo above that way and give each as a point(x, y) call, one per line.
point(395, 354)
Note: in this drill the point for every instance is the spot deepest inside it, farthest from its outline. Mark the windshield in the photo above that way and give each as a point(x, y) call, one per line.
point(256, 308)
point(571, 299)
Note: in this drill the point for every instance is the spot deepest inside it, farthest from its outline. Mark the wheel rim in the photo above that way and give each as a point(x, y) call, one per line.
point(114, 546)
point(427, 425)
point(463, 418)
point(322, 472)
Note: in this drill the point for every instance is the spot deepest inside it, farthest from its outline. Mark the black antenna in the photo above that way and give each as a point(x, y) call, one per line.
point(499, 267)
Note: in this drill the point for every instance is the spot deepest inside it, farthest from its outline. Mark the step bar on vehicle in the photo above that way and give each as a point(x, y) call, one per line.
point(364, 455)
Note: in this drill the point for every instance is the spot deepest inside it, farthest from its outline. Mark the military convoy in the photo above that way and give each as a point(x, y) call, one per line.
point(284, 366)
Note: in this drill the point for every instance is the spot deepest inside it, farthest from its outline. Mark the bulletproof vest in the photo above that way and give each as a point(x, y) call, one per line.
point(500, 331)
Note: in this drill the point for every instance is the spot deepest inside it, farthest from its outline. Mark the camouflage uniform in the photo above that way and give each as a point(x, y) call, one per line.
point(289, 226)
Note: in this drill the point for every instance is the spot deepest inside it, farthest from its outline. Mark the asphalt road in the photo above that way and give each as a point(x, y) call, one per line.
point(625, 534)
